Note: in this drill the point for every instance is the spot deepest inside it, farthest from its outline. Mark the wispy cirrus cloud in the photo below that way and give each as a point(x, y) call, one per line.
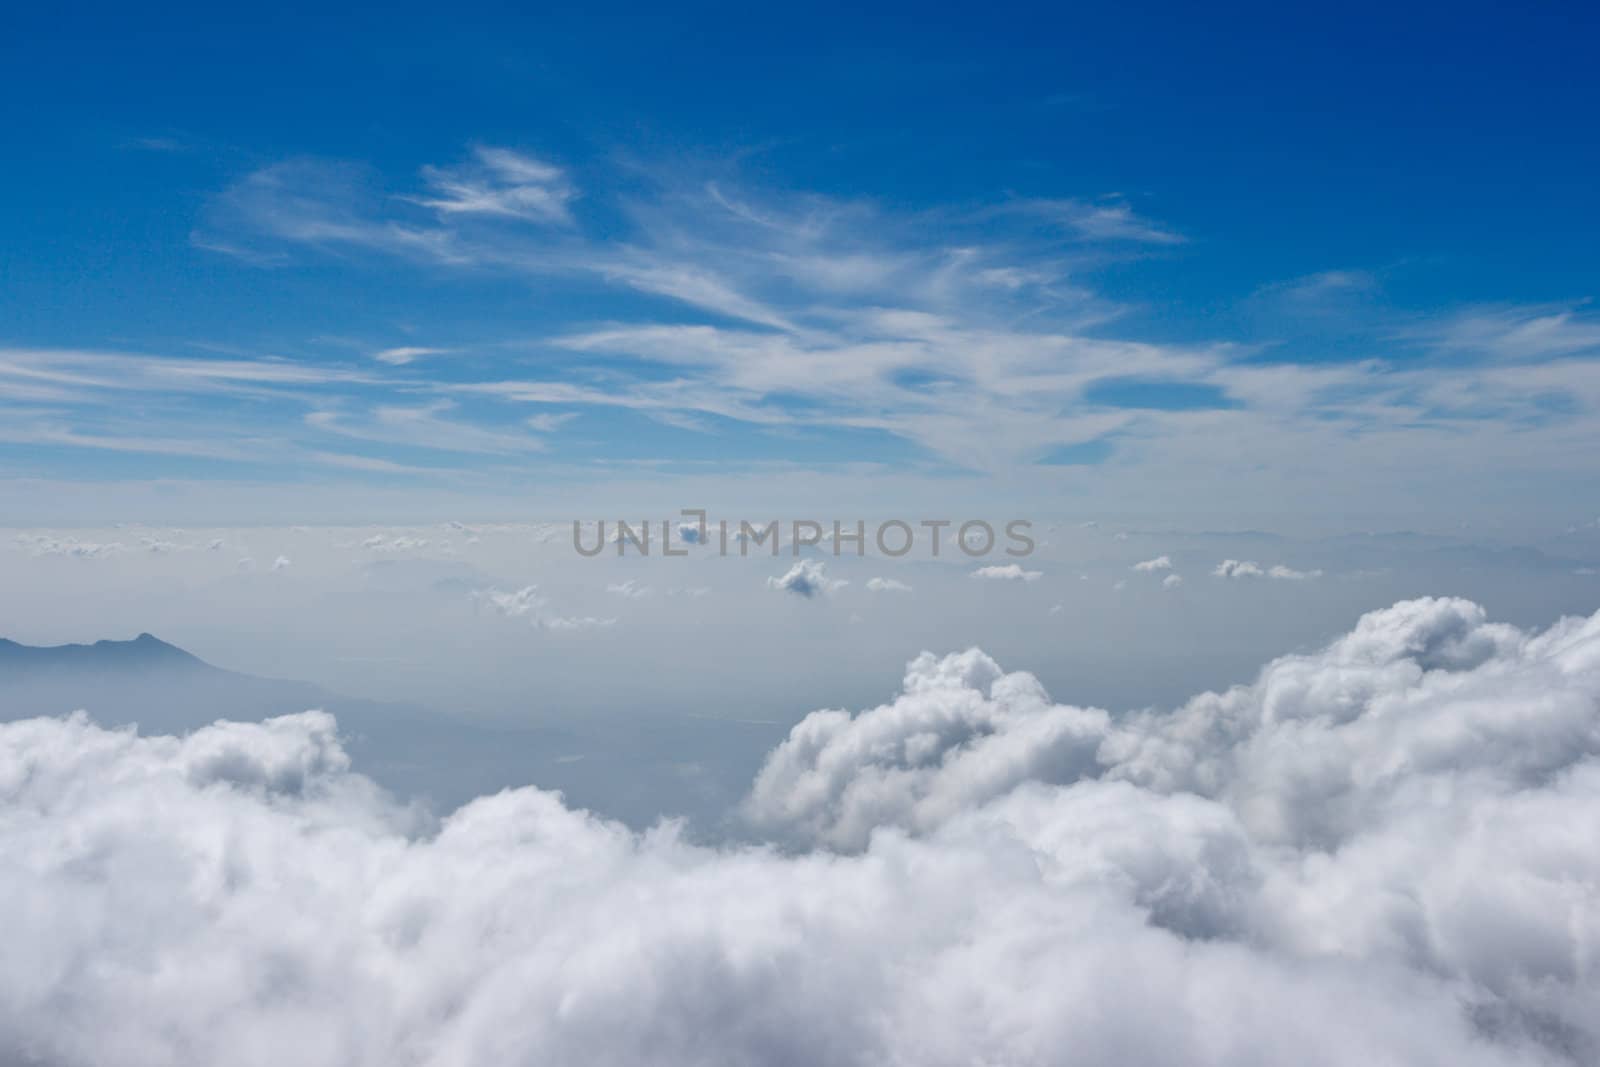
point(500, 182)
point(972, 336)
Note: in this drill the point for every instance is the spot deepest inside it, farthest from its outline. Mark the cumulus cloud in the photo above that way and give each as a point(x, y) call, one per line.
point(887, 585)
point(513, 604)
point(1160, 563)
point(1406, 800)
point(1172, 581)
point(1244, 568)
point(1009, 572)
point(632, 589)
point(281, 563)
point(808, 578)
point(1382, 851)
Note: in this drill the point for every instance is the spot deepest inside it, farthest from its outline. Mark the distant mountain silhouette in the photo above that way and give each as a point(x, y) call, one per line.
point(162, 689)
point(145, 652)
point(631, 770)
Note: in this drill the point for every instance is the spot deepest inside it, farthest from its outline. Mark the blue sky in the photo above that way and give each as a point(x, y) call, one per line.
point(1246, 262)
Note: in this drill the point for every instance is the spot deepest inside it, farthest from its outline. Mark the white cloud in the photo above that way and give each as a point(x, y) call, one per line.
point(1008, 572)
point(1172, 581)
point(399, 357)
point(548, 423)
point(528, 603)
point(887, 585)
point(1379, 852)
point(1244, 568)
point(51, 545)
point(281, 563)
point(513, 604)
point(394, 543)
point(1110, 219)
point(632, 589)
point(1160, 563)
point(808, 578)
point(980, 346)
point(500, 182)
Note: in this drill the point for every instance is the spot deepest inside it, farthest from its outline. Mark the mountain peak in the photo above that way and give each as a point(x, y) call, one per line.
point(144, 652)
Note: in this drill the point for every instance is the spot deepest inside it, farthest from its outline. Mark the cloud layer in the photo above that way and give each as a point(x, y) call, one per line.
point(1384, 851)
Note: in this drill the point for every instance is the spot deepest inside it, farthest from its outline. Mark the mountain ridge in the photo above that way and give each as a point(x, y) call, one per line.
point(144, 650)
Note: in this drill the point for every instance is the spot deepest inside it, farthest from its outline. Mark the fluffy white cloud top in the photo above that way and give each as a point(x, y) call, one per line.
point(808, 579)
point(887, 585)
point(1244, 568)
point(1007, 572)
point(1384, 851)
point(1160, 563)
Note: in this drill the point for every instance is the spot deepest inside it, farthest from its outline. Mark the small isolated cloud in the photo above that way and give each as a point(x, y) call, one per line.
point(1107, 219)
point(632, 589)
point(808, 578)
point(514, 604)
point(1172, 581)
point(1009, 572)
point(48, 545)
point(281, 563)
point(500, 182)
point(548, 423)
point(1160, 563)
point(887, 585)
point(399, 357)
point(1244, 568)
point(1057, 609)
point(586, 622)
point(527, 603)
point(397, 543)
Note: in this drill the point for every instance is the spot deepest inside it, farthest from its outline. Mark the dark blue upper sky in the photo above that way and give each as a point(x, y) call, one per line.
point(1287, 139)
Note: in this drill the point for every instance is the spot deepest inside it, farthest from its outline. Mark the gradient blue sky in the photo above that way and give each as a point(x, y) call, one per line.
point(1259, 262)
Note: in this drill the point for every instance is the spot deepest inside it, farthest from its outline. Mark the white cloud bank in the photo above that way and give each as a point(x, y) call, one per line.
point(1386, 851)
